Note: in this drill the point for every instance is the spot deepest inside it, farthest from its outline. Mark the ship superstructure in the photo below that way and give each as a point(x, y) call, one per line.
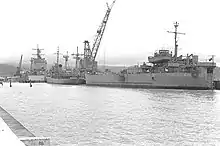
point(38, 63)
point(59, 75)
point(38, 67)
point(163, 70)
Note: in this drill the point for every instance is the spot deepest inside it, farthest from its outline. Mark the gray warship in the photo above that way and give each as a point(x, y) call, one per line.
point(163, 70)
point(59, 75)
point(38, 67)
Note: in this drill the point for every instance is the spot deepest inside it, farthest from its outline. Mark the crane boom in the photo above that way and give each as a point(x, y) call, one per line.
point(18, 71)
point(38, 52)
point(100, 32)
point(20, 63)
point(88, 62)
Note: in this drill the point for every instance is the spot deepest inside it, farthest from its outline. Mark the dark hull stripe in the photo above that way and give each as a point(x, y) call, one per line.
point(66, 83)
point(72, 82)
point(147, 86)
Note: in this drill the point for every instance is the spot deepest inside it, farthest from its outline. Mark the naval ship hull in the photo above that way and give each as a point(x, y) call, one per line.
point(37, 78)
point(70, 81)
point(147, 80)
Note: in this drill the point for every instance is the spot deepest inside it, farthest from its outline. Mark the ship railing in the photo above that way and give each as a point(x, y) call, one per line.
point(158, 58)
point(206, 64)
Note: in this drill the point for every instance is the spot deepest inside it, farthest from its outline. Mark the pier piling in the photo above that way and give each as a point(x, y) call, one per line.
point(10, 83)
point(30, 84)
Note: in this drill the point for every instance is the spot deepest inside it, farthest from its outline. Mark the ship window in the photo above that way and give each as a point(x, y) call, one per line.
point(209, 70)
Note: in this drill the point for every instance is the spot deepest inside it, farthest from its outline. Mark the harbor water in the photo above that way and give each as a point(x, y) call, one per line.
point(81, 115)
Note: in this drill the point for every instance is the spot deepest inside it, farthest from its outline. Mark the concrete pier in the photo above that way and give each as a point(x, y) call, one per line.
point(17, 128)
point(13, 131)
point(7, 137)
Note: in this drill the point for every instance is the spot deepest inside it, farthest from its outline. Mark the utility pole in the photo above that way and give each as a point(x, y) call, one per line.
point(176, 24)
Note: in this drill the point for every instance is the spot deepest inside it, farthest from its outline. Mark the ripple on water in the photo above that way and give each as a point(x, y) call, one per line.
point(83, 115)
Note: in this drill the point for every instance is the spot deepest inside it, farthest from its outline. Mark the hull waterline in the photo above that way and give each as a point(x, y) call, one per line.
point(71, 81)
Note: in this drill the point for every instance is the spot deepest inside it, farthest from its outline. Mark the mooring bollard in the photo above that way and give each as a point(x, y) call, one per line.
point(30, 84)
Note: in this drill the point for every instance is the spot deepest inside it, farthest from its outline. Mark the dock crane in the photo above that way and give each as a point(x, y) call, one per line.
point(91, 53)
point(18, 71)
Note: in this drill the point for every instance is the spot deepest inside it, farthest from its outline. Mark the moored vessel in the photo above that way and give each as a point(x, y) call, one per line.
point(58, 75)
point(163, 70)
point(66, 81)
point(38, 67)
point(84, 62)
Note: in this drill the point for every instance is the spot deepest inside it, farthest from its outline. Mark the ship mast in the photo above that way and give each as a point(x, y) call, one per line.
point(38, 52)
point(58, 53)
point(76, 56)
point(66, 57)
point(38, 55)
point(176, 24)
point(18, 72)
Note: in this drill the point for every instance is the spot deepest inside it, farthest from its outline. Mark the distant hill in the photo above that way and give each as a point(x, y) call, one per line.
point(7, 70)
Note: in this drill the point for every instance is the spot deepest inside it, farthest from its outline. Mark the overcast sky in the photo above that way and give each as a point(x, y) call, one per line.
point(136, 28)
